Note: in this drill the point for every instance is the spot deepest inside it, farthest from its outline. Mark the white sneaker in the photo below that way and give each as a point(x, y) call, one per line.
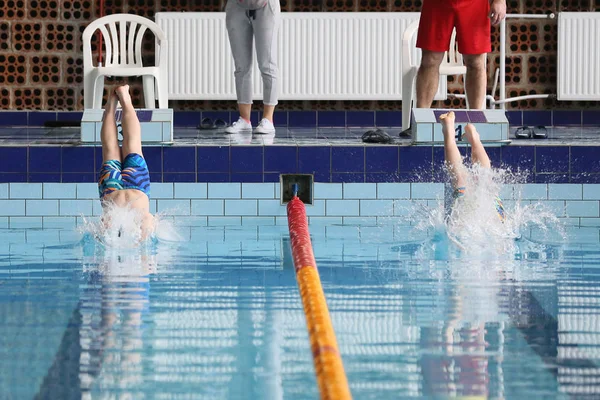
point(265, 126)
point(241, 125)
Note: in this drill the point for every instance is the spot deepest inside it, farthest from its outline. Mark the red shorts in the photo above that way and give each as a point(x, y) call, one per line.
point(470, 17)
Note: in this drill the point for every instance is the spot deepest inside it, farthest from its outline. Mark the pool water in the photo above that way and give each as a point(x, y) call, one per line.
point(219, 316)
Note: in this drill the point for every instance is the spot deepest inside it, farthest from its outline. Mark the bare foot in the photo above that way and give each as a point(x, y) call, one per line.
point(448, 116)
point(471, 134)
point(124, 97)
point(447, 121)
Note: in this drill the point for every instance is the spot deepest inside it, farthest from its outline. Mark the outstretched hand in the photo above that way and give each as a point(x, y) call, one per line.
point(497, 11)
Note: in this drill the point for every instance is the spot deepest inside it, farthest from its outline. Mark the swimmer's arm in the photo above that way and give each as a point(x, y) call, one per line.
point(105, 220)
point(148, 226)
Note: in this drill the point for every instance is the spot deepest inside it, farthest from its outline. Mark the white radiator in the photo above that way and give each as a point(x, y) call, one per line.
point(578, 56)
point(322, 56)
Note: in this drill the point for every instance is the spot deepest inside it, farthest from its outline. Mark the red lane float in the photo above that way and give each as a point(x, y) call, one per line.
point(329, 368)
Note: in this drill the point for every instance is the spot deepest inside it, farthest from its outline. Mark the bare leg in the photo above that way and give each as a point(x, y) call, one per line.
point(132, 131)
point(451, 153)
point(245, 110)
point(476, 79)
point(428, 77)
point(478, 153)
point(268, 112)
point(108, 133)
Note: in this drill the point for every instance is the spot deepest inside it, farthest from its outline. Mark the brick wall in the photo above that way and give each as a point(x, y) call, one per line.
point(41, 50)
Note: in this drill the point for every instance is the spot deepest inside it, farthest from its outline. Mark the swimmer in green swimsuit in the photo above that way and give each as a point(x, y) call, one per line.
point(124, 177)
point(455, 162)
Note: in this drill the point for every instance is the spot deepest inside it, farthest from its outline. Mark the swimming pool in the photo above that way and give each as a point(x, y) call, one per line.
point(219, 315)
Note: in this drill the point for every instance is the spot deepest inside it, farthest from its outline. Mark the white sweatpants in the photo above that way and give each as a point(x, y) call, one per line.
point(243, 27)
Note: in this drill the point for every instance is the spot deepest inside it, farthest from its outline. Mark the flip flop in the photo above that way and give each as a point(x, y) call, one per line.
point(540, 132)
point(376, 136)
point(524, 132)
point(219, 124)
point(407, 133)
point(207, 123)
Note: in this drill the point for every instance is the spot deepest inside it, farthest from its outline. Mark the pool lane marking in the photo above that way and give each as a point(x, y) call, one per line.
point(329, 368)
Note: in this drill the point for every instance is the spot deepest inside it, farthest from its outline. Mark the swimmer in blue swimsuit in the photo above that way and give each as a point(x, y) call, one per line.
point(455, 162)
point(124, 177)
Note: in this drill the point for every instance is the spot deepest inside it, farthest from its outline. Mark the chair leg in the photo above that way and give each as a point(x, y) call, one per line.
point(149, 98)
point(98, 92)
point(162, 92)
point(88, 93)
point(407, 99)
point(465, 89)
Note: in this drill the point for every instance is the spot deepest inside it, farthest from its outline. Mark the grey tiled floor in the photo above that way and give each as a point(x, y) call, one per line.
point(563, 136)
point(284, 136)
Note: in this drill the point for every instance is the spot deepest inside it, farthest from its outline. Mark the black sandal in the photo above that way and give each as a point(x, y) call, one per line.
point(540, 132)
point(220, 124)
point(406, 134)
point(377, 136)
point(524, 132)
point(207, 123)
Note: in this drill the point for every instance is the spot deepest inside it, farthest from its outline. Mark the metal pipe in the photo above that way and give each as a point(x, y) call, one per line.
point(502, 62)
point(502, 100)
point(525, 97)
point(535, 16)
point(495, 85)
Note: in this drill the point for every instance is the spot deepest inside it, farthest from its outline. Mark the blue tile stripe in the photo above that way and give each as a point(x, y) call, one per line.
point(264, 164)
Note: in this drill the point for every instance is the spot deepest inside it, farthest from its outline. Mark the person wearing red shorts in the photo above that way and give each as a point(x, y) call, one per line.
point(472, 19)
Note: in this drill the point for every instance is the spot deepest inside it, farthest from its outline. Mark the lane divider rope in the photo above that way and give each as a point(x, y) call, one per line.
point(329, 368)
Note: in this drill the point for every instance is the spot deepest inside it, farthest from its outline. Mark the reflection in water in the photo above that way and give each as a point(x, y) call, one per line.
point(474, 323)
point(480, 301)
point(455, 352)
point(222, 319)
point(106, 346)
point(103, 344)
point(114, 308)
point(454, 357)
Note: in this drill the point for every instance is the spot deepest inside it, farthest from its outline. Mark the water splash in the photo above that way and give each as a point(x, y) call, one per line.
point(121, 227)
point(472, 223)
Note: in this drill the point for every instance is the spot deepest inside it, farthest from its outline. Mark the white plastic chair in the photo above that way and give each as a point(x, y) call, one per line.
point(122, 36)
point(452, 64)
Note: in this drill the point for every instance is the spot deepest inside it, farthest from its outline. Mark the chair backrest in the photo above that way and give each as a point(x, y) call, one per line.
point(410, 52)
point(122, 37)
point(451, 58)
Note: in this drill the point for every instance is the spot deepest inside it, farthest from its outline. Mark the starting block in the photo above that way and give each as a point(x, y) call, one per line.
point(157, 124)
point(492, 125)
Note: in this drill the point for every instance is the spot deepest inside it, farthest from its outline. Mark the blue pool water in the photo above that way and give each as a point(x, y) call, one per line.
point(219, 316)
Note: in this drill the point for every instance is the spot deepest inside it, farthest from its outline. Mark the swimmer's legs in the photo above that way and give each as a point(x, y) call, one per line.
point(108, 133)
point(132, 131)
point(451, 153)
point(478, 153)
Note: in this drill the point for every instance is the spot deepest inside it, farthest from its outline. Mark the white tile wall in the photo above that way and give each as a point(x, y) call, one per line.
point(62, 205)
point(25, 190)
point(61, 190)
